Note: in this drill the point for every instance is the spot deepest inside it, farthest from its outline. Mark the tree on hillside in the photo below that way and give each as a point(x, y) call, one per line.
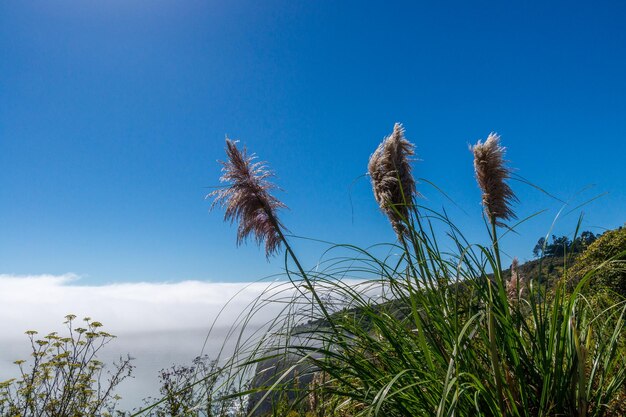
point(582, 242)
point(562, 245)
point(539, 247)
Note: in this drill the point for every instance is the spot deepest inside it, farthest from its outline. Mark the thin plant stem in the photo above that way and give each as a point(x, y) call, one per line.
point(493, 347)
point(293, 256)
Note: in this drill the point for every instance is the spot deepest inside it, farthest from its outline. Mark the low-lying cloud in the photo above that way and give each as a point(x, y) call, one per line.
point(159, 324)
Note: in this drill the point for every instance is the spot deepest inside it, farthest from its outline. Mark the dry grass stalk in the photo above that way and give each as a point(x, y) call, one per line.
point(316, 396)
point(247, 198)
point(390, 171)
point(515, 286)
point(491, 174)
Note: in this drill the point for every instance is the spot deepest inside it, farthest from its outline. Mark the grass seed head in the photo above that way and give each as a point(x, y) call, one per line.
point(392, 181)
point(247, 198)
point(491, 174)
point(515, 286)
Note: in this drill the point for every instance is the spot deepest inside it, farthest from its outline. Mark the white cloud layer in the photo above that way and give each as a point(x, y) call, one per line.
point(159, 324)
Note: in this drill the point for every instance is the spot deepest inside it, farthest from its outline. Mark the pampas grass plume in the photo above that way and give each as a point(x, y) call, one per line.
point(392, 181)
point(491, 174)
point(515, 286)
point(247, 198)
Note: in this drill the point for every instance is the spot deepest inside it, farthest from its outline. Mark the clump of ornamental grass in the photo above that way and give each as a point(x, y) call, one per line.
point(433, 332)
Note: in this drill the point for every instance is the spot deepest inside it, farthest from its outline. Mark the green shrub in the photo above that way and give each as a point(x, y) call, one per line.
point(605, 259)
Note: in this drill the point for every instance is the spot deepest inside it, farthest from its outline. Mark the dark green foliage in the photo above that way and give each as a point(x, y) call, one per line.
point(563, 245)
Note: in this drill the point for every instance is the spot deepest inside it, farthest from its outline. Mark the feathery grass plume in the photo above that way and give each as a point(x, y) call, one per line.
point(390, 171)
point(247, 198)
point(491, 174)
point(514, 287)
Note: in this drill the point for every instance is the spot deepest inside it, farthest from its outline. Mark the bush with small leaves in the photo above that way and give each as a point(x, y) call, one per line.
point(605, 260)
point(65, 378)
point(185, 387)
point(194, 391)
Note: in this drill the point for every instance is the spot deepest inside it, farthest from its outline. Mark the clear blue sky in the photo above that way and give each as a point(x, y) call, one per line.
point(113, 114)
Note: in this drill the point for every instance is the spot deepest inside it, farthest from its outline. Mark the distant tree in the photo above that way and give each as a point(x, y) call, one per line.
point(562, 245)
point(65, 379)
point(539, 247)
point(583, 241)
